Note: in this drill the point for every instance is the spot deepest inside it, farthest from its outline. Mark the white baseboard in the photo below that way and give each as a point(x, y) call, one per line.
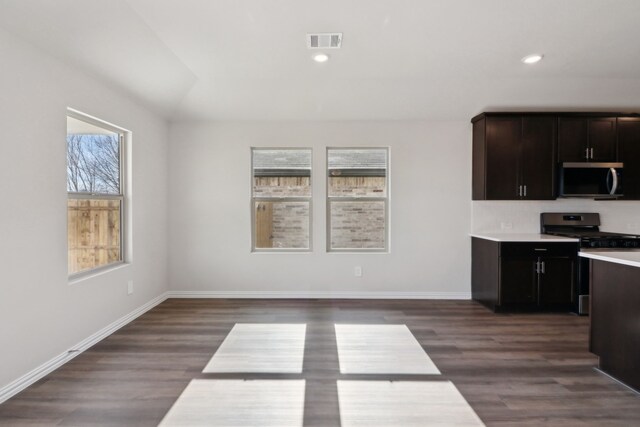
point(26, 380)
point(320, 295)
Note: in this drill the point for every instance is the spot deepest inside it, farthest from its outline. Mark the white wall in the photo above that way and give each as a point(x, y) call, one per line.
point(41, 314)
point(210, 188)
point(431, 212)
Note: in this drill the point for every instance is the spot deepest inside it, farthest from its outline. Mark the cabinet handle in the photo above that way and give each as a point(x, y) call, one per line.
point(592, 153)
point(586, 153)
point(519, 190)
point(543, 272)
point(525, 191)
point(537, 267)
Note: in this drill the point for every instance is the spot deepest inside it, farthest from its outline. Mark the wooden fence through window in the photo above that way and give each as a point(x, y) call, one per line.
point(93, 233)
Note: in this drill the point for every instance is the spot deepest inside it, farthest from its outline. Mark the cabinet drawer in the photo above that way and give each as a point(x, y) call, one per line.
point(517, 249)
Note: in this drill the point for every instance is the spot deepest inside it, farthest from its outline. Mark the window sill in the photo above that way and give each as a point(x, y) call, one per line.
point(359, 251)
point(83, 276)
point(282, 251)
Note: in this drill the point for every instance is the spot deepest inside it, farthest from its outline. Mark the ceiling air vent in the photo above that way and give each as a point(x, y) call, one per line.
point(324, 41)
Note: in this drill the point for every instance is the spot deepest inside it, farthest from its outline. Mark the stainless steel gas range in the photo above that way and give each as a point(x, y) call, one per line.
point(586, 228)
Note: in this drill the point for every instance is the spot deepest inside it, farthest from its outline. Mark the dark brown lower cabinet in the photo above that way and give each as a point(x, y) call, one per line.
point(518, 280)
point(615, 320)
point(523, 275)
point(557, 281)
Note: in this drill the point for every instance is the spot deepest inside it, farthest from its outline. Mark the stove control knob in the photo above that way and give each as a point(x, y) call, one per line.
point(613, 244)
point(593, 244)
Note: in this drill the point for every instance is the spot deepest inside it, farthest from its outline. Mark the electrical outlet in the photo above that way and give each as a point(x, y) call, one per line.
point(130, 287)
point(357, 271)
point(506, 226)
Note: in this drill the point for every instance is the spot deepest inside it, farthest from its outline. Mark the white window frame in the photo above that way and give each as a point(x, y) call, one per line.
point(122, 136)
point(254, 200)
point(384, 199)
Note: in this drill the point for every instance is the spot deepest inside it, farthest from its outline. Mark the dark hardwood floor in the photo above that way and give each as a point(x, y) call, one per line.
point(514, 369)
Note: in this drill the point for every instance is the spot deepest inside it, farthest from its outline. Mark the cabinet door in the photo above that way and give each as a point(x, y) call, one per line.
point(572, 139)
point(557, 281)
point(629, 146)
point(538, 157)
point(518, 281)
point(602, 139)
point(502, 155)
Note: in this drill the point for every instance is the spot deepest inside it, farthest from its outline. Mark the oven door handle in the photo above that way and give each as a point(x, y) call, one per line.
point(612, 187)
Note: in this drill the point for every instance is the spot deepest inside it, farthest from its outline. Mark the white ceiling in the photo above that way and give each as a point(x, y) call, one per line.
point(401, 59)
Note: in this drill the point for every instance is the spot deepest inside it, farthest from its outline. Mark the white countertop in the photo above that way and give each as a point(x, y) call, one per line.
point(522, 237)
point(631, 257)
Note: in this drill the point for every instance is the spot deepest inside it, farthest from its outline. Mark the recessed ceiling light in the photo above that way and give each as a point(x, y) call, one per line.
point(321, 57)
point(532, 59)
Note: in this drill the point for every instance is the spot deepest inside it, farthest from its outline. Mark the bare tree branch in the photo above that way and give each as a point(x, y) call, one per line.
point(93, 163)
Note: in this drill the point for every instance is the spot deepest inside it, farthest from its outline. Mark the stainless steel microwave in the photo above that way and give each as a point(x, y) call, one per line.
point(591, 179)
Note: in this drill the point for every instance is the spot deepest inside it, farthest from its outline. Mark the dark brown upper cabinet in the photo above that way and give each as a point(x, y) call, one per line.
point(514, 157)
point(587, 139)
point(629, 148)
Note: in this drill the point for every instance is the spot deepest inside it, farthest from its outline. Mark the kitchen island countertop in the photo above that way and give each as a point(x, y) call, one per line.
point(523, 237)
point(629, 257)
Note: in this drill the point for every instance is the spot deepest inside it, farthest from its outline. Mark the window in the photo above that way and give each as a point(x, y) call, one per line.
point(357, 199)
point(281, 199)
point(95, 204)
